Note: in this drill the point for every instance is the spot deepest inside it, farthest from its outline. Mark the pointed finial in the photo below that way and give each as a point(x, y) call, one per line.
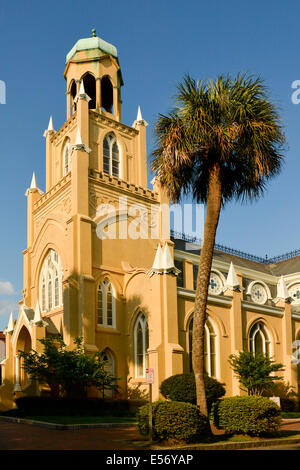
point(157, 264)
point(81, 88)
point(50, 125)
point(282, 291)
point(139, 114)
point(163, 262)
point(93, 33)
point(139, 119)
point(78, 137)
point(33, 186)
point(37, 313)
point(11, 324)
point(78, 143)
point(232, 282)
point(167, 258)
point(81, 95)
point(33, 182)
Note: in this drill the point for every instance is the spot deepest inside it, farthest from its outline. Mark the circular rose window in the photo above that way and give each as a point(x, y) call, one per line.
point(294, 292)
point(215, 284)
point(258, 294)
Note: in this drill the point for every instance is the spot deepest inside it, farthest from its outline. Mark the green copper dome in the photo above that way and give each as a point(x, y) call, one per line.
point(93, 42)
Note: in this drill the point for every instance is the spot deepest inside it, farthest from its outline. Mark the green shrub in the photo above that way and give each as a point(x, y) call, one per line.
point(253, 415)
point(289, 404)
point(176, 421)
point(182, 387)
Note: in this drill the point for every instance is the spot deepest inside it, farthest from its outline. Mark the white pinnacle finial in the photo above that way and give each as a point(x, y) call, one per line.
point(50, 125)
point(232, 282)
point(157, 264)
point(33, 187)
point(37, 313)
point(139, 119)
point(81, 95)
point(139, 114)
point(81, 88)
point(167, 259)
point(78, 137)
point(78, 143)
point(33, 182)
point(282, 291)
point(11, 324)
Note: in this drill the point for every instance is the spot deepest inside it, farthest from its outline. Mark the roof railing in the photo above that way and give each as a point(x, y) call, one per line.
point(232, 251)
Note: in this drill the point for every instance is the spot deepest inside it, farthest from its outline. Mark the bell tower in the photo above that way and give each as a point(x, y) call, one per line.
point(95, 62)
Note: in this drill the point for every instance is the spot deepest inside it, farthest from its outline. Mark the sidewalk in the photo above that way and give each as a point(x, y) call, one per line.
point(15, 436)
point(18, 434)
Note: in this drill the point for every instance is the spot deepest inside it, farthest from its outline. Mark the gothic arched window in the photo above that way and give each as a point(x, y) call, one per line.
point(141, 344)
point(106, 304)
point(67, 157)
point(109, 367)
point(50, 282)
point(259, 339)
point(111, 156)
point(209, 348)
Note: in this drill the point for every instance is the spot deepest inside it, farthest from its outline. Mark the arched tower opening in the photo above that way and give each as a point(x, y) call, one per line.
point(89, 83)
point(73, 94)
point(107, 94)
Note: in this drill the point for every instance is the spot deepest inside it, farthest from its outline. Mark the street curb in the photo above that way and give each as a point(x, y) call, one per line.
point(63, 427)
point(290, 421)
point(233, 445)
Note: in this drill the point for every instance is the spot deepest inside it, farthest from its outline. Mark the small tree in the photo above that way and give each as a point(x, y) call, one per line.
point(67, 372)
point(254, 371)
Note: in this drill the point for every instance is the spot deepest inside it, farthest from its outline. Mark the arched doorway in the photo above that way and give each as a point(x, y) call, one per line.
point(23, 344)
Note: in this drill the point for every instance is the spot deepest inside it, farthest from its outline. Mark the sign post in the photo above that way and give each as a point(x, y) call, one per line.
point(150, 381)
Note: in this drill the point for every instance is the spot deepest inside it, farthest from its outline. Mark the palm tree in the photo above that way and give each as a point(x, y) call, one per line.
point(222, 141)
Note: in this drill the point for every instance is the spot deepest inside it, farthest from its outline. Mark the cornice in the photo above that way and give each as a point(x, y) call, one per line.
point(117, 125)
point(213, 299)
point(246, 272)
point(266, 309)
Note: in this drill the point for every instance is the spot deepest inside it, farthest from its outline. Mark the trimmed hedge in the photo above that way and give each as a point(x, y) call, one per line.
point(173, 421)
point(182, 387)
point(289, 404)
point(253, 415)
point(46, 406)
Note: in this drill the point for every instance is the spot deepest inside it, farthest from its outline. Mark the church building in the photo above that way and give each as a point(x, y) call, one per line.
point(131, 295)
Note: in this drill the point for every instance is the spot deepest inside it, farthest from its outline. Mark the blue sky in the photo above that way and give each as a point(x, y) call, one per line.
point(158, 42)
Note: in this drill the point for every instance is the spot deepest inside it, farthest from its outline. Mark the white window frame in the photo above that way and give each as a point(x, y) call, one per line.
point(260, 328)
point(141, 319)
point(111, 139)
point(104, 287)
point(51, 269)
point(66, 159)
point(209, 331)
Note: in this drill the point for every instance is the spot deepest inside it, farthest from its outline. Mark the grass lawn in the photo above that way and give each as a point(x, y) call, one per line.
point(241, 438)
point(290, 414)
point(79, 419)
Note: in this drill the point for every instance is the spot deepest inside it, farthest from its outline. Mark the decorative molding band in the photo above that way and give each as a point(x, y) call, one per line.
point(247, 272)
point(266, 309)
point(216, 299)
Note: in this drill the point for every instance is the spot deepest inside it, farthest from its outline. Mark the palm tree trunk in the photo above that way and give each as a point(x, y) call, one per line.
point(211, 222)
